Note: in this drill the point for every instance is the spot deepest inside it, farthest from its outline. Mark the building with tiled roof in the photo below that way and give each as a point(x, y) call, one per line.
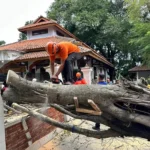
point(140, 71)
point(27, 52)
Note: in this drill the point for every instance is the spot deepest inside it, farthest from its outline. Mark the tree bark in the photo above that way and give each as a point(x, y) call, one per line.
point(72, 128)
point(125, 107)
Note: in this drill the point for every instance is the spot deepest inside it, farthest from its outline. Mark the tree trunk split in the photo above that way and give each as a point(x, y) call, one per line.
point(125, 107)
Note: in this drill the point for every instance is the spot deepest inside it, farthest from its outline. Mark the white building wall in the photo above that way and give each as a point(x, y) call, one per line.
point(8, 55)
point(51, 32)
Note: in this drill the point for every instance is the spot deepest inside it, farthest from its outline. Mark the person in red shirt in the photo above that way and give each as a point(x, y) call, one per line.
point(4, 88)
point(67, 53)
point(79, 80)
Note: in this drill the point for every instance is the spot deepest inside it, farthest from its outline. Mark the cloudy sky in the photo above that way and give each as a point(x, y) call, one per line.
point(14, 14)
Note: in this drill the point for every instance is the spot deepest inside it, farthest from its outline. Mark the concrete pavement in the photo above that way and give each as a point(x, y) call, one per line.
point(72, 141)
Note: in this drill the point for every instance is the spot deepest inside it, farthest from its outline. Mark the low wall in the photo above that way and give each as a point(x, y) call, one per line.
point(16, 138)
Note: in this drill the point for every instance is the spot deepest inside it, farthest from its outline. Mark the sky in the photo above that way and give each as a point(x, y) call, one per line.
point(14, 14)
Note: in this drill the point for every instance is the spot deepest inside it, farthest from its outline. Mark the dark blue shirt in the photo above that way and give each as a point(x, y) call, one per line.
point(102, 83)
point(79, 79)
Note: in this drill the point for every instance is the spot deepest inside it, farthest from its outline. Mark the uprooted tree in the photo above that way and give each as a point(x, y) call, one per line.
point(125, 108)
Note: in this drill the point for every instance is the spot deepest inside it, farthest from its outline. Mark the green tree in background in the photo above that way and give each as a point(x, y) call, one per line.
point(138, 10)
point(2, 42)
point(101, 24)
point(139, 13)
point(23, 36)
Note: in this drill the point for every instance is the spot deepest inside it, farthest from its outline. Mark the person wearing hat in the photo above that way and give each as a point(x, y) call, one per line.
point(67, 53)
point(79, 80)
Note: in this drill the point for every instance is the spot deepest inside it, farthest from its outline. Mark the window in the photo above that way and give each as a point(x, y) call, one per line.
point(38, 32)
point(59, 33)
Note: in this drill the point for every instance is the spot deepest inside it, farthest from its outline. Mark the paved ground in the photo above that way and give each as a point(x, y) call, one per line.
point(72, 141)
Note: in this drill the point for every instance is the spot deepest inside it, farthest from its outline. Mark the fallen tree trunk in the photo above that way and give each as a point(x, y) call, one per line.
point(125, 108)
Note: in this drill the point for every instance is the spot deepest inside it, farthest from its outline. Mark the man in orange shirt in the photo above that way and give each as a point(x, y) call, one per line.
point(67, 53)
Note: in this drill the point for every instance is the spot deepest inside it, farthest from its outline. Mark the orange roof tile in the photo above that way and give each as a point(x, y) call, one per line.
point(41, 18)
point(43, 54)
point(37, 23)
point(51, 22)
point(33, 55)
point(39, 44)
point(139, 68)
point(28, 45)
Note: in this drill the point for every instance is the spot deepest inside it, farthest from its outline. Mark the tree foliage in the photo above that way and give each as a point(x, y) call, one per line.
point(138, 10)
point(23, 36)
point(2, 42)
point(103, 25)
point(139, 13)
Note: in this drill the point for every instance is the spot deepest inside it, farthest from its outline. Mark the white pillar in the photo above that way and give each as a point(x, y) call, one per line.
point(87, 74)
point(2, 129)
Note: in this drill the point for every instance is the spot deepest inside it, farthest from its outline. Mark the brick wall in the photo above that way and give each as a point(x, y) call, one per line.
point(15, 134)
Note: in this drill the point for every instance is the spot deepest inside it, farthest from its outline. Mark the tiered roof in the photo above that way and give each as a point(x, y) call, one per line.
point(35, 49)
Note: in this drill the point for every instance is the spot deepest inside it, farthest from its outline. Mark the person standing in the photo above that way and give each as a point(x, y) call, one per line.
point(67, 53)
point(4, 88)
point(101, 79)
point(79, 80)
point(101, 82)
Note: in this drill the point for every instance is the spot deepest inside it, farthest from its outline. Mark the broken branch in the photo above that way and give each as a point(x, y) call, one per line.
point(72, 128)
